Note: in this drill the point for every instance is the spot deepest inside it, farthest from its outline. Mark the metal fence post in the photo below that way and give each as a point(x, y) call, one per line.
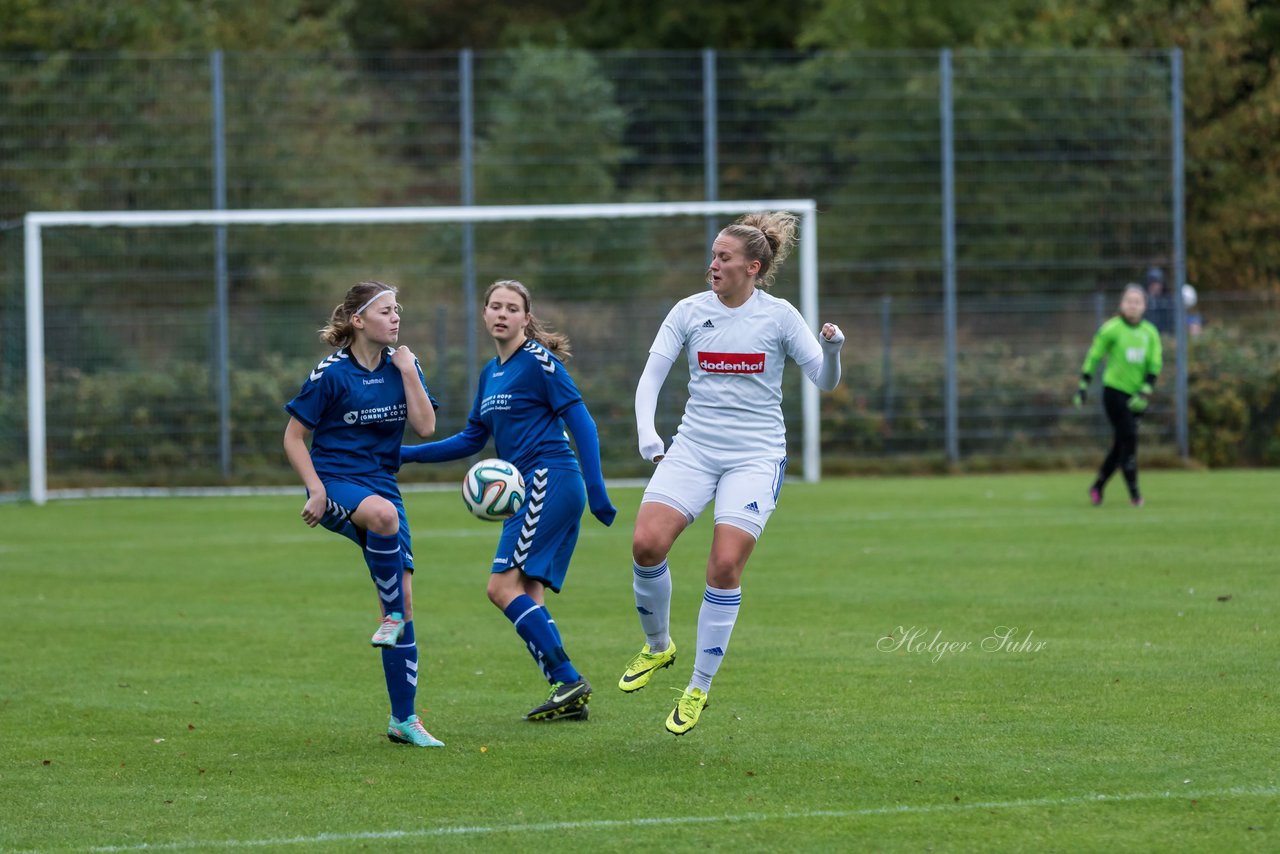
point(886, 354)
point(710, 141)
point(949, 254)
point(442, 353)
point(1179, 250)
point(221, 299)
point(466, 103)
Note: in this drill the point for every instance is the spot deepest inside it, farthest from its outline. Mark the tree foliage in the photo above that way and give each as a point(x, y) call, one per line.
point(1232, 82)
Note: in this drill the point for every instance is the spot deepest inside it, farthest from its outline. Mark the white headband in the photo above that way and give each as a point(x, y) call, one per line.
point(372, 300)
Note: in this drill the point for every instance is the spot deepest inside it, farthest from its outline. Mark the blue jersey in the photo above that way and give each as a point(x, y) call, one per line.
point(520, 402)
point(357, 417)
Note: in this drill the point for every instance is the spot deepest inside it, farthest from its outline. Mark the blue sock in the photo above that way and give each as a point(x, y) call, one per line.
point(382, 554)
point(535, 628)
point(400, 667)
point(554, 628)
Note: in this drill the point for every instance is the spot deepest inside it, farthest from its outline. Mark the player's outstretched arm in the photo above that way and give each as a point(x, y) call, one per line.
point(457, 446)
point(824, 372)
point(583, 428)
point(651, 379)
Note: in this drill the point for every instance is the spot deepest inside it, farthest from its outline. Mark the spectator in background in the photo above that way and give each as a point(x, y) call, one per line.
point(1159, 304)
point(1195, 321)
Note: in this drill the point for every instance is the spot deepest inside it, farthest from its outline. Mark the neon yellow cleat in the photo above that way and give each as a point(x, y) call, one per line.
point(644, 665)
point(684, 716)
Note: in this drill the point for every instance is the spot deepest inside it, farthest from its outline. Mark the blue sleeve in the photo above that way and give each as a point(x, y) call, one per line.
point(459, 445)
point(562, 391)
point(583, 427)
point(311, 402)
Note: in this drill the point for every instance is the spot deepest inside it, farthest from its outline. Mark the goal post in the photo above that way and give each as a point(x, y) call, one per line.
point(35, 223)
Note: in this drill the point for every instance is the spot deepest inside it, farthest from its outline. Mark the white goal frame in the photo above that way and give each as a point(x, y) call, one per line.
point(36, 222)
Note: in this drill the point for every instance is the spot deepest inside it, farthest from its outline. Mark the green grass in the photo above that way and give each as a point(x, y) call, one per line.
point(195, 673)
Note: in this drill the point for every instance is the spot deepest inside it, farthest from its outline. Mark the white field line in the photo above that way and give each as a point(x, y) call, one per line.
point(674, 821)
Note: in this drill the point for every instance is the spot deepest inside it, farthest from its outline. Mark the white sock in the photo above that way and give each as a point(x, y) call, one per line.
point(652, 586)
point(715, 623)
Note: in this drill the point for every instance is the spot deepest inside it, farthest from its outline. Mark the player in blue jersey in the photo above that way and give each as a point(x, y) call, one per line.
point(524, 400)
point(354, 407)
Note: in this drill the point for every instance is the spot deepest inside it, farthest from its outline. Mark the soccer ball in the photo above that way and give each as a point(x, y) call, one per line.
point(493, 490)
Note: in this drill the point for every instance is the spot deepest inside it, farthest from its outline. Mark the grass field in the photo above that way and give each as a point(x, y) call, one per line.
point(194, 674)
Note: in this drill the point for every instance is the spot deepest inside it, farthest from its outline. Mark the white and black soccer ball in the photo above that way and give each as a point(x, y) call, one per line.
point(493, 490)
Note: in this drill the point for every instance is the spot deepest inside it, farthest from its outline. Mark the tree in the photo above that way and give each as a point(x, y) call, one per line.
point(1231, 96)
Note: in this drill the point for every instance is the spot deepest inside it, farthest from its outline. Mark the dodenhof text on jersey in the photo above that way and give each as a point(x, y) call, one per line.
point(731, 363)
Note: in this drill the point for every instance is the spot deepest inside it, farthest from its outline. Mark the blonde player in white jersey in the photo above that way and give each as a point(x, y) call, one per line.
point(731, 445)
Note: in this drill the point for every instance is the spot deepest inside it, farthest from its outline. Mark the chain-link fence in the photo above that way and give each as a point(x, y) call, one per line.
point(1031, 186)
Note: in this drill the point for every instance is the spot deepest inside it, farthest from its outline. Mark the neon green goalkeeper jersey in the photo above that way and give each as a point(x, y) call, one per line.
point(1132, 353)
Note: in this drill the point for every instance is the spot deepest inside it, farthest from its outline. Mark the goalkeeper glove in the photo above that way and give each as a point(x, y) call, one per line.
point(1139, 402)
point(1082, 392)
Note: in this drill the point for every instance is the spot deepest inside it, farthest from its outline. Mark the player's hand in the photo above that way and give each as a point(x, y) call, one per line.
point(601, 507)
point(403, 358)
point(651, 446)
point(1139, 402)
point(831, 334)
point(1082, 393)
point(313, 510)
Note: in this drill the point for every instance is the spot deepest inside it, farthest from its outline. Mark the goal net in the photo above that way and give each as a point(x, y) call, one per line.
point(162, 345)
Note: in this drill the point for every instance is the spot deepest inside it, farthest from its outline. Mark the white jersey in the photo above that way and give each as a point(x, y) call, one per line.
point(736, 357)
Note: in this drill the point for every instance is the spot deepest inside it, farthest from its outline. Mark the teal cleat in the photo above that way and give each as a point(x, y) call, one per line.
point(389, 631)
point(411, 731)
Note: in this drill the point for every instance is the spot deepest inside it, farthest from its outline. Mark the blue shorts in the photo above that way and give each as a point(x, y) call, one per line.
point(343, 497)
point(539, 540)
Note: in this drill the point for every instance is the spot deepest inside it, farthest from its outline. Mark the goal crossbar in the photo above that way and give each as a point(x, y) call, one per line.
point(35, 222)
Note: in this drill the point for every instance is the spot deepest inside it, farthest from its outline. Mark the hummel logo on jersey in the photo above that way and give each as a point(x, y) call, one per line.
point(753, 507)
point(708, 324)
point(715, 650)
point(731, 363)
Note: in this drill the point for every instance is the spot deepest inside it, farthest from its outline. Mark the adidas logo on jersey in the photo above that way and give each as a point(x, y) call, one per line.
point(708, 324)
point(753, 507)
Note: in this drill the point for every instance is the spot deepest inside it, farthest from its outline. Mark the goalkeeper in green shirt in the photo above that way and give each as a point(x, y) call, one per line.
point(1131, 347)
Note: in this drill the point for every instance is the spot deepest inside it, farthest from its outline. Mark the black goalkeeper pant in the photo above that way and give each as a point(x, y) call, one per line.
point(1124, 448)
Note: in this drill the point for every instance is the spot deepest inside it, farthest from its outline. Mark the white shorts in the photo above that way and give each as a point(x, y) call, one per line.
point(745, 488)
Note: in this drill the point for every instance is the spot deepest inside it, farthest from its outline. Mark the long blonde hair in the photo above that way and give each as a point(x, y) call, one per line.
point(339, 332)
point(766, 237)
point(556, 342)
